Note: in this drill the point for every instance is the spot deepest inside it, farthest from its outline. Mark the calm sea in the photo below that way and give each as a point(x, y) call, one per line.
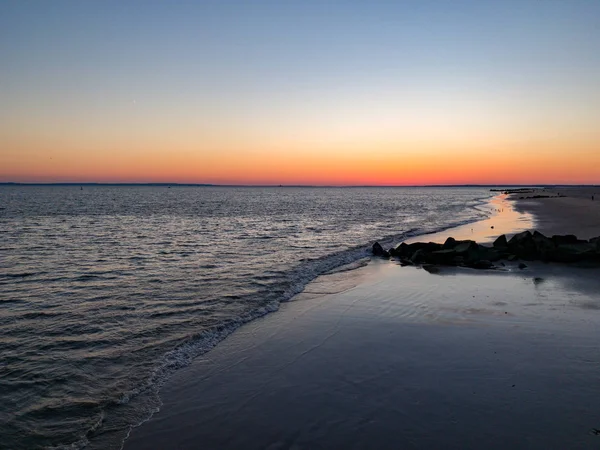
point(106, 291)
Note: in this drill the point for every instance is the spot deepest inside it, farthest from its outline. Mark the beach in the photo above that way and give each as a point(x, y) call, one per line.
point(575, 213)
point(384, 356)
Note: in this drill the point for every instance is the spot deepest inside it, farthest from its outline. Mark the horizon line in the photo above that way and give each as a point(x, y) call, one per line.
point(161, 184)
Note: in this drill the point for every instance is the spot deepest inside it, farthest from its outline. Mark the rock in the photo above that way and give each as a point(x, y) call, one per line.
point(402, 250)
point(379, 251)
point(544, 246)
point(407, 250)
point(464, 247)
point(580, 251)
point(450, 243)
point(469, 250)
point(526, 245)
point(427, 246)
point(520, 237)
point(490, 254)
point(522, 266)
point(481, 264)
point(418, 257)
point(501, 242)
point(564, 240)
point(523, 245)
point(431, 268)
point(458, 260)
point(443, 256)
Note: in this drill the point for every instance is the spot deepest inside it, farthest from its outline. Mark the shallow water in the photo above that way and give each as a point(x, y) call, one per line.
point(106, 291)
point(395, 357)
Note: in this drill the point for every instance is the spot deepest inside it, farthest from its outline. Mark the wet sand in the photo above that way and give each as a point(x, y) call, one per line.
point(505, 217)
point(394, 357)
point(573, 213)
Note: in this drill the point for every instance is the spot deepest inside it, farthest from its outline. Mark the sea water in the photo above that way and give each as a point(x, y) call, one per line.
point(107, 290)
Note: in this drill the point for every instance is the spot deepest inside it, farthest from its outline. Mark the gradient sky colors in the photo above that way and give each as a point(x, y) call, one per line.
point(300, 92)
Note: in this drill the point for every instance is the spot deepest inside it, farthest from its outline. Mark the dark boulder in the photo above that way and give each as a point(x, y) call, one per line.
point(580, 251)
point(445, 256)
point(501, 242)
point(490, 253)
point(426, 246)
point(458, 261)
point(431, 268)
point(544, 246)
point(379, 251)
point(419, 257)
point(566, 239)
point(522, 266)
point(450, 243)
point(402, 250)
point(407, 250)
point(481, 264)
point(523, 245)
point(464, 247)
point(469, 250)
point(520, 237)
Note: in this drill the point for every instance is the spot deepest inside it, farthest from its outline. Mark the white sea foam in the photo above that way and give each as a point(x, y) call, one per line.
point(198, 345)
point(125, 286)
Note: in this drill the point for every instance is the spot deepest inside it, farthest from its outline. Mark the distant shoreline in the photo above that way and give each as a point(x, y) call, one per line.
point(491, 186)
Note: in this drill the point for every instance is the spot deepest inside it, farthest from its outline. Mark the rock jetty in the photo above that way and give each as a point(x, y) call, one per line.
point(525, 246)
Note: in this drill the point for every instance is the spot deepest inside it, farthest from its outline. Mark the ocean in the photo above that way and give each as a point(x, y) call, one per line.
point(107, 290)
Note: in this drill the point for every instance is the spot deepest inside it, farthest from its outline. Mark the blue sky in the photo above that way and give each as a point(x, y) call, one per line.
point(282, 69)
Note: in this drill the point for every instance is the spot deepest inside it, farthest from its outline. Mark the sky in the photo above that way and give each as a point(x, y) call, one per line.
point(300, 92)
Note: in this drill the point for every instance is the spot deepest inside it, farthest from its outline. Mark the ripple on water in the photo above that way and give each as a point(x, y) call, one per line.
point(107, 291)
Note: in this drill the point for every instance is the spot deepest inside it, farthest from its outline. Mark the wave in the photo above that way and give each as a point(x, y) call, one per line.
point(20, 275)
point(200, 343)
point(130, 408)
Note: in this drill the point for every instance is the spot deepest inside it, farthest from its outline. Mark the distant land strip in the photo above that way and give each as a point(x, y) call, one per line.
point(499, 186)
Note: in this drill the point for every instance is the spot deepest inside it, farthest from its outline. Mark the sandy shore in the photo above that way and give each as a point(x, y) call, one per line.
point(394, 357)
point(572, 212)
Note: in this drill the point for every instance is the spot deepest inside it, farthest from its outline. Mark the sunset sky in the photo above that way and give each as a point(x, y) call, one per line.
point(300, 92)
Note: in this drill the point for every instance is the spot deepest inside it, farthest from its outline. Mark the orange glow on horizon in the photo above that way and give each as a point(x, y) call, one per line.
point(386, 164)
point(291, 93)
